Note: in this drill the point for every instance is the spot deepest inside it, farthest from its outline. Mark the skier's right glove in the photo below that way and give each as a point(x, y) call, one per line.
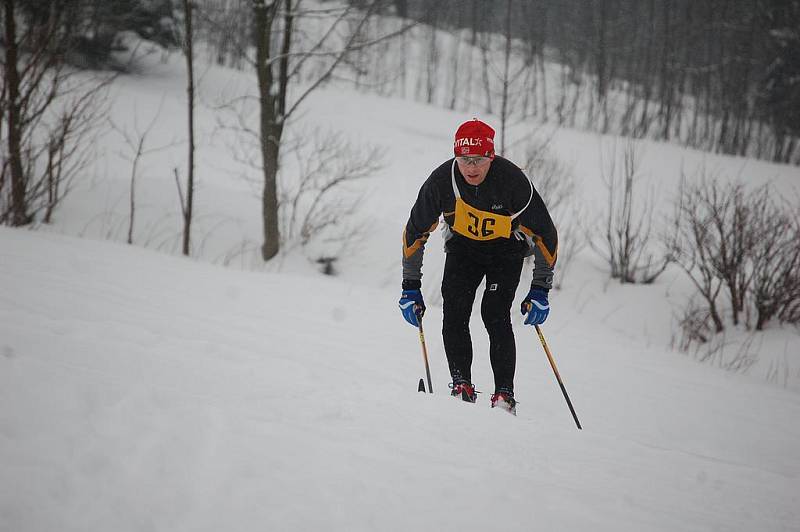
point(412, 306)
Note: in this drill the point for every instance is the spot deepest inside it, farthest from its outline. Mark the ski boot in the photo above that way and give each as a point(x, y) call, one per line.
point(505, 400)
point(465, 391)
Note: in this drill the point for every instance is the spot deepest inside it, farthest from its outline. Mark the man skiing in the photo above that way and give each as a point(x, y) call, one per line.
point(494, 218)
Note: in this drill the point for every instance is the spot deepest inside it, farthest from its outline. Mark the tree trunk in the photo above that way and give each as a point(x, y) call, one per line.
point(647, 75)
point(506, 80)
point(432, 61)
point(601, 62)
point(487, 86)
point(542, 70)
point(667, 73)
point(272, 105)
point(269, 196)
point(19, 205)
point(454, 72)
point(715, 317)
point(189, 52)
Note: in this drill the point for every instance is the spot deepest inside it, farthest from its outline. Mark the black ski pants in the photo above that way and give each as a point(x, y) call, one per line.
point(462, 276)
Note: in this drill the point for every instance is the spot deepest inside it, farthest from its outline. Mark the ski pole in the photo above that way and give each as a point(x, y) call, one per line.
point(425, 358)
point(558, 376)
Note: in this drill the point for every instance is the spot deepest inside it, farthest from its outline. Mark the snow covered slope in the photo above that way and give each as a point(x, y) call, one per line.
point(140, 391)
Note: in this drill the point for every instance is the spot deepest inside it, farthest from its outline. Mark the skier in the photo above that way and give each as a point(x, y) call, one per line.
point(494, 218)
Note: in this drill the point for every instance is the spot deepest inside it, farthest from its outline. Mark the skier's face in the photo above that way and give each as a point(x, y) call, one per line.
point(474, 169)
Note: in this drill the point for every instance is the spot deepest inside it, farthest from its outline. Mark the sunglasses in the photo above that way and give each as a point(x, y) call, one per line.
point(473, 161)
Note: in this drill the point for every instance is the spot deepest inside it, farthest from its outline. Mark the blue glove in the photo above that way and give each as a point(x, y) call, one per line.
point(536, 306)
point(412, 306)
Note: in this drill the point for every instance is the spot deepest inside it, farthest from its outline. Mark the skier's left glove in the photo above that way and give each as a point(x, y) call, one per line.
point(536, 306)
point(412, 306)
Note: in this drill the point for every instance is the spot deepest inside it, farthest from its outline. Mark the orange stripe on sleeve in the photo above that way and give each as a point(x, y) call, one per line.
point(550, 257)
point(410, 250)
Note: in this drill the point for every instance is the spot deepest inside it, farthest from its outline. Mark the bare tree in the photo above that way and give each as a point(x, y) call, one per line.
point(775, 262)
point(20, 214)
point(433, 53)
point(628, 226)
point(713, 75)
point(137, 148)
point(505, 78)
point(732, 222)
point(691, 244)
point(69, 147)
point(48, 113)
point(278, 63)
point(728, 237)
point(556, 184)
point(188, 51)
point(321, 204)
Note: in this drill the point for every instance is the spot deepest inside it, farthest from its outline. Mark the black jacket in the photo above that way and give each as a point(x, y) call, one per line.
point(506, 190)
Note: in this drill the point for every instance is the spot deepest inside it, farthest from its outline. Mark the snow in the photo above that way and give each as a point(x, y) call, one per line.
point(141, 391)
point(144, 391)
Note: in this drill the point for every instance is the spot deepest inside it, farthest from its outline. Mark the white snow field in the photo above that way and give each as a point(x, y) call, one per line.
point(145, 392)
point(141, 391)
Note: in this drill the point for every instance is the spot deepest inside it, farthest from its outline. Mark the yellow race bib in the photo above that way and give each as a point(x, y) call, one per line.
point(480, 225)
point(477, 224)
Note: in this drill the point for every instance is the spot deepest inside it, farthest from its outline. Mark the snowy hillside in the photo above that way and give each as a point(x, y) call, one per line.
point(144, 392)
point(413, 139)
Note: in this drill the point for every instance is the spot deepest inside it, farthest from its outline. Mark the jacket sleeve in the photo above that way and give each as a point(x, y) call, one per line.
point(538, 228)
point(423, 220)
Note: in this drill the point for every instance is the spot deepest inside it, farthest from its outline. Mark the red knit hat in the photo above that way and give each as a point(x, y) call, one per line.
point(474, 138)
